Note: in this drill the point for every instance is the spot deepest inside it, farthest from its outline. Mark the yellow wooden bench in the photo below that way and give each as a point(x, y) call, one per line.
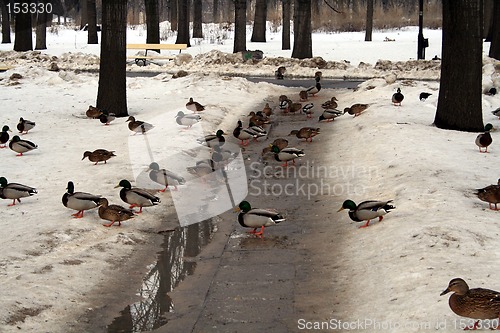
point(147, 47)
point(4, 68)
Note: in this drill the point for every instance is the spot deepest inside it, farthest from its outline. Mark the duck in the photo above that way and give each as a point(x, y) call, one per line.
point(79, 201)
point(280, 73)
point(294, 107)
point(106, 117)
point(244, 134)
point(483, 140)
point(25, 125)
point(330, 114)
point(113, 213)
point(287, 154)
point(308, 109)
point(490, 194)
point(202, 168)
point(424, 95)
point(257, 119)
point(306, 133)
point(164, 177)
point(222, 156)
point(282, 98)
point(475, 303)
point(249, 217)
point(279, 142)
point(397, 97)
point(136, 197)
point(356, 109)
point(212, 140)
point(15, 191)
point(187, 119)
point(21, 146)
point(267, 110)
point(259, 131)
point(367, 210)
point(99, 155)
point(4, 136)
point(194, 106)
point(330, 104)
point(93, 112)
point(285, 105)
point(138, 126)
point(312, 91)
point(303, 96)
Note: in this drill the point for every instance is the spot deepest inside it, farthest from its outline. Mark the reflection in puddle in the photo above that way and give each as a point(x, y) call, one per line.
point(170, 269)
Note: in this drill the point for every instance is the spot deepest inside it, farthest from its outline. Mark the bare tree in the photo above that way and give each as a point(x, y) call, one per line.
point(23, 40)
point(183, 23)
point(495, 32)
point(83, 14)
point(285, 33)
point(41, 29)
point(92, 22)
point(240, 26)
point(216, 14)
point(459, 103)
point(302, 43)
point(369, 20)
point(259, 23)
point(152, 22)
point(197, 19)
point(174, 14)
point(5, 23)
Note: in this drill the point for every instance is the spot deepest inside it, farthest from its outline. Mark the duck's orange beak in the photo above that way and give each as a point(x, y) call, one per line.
point(340, 209)
point(236, 209)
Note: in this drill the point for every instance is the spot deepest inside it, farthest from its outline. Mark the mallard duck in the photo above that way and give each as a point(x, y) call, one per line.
point(79, 201)
point(136, 197)
point(308, 109)
point(283, 98)
point(490, 194)
point(257, 119)
point(113, 213)
point(294, 107)
point(312, 91)
point(25, 125)
point(285, 105)
point(202, 168)
point(330, 115)
point(138, 126)
point(483, 140)
point(98, 155)
point(280, 73)
point(306, 133)
point(287, 154)
point(187, 119)
point(164, 176)
point(367, 210)
point(475, 303)
point(259, 131)
point(4, 136)
point(303, 95)
point(267, 110)
point(213, 140)
point(222, 156)
point(15, 191)
point(397, 97)
point(93, 112)
point(424, 95)
point(245, 134)
point(331, 104)
point(106, 117)
point(356, 109)
point(280, 143)
point(257, 217)
point(194, 106)
point(21, 146)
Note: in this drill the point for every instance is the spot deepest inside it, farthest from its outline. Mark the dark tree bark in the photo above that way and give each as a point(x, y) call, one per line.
point(112, 92)
point(152, 22)
point(183, 23)
point(197, 19)
point(5, 23)
point(316, 13)
point(92, 22)
point(83, 13)
point(259, 23)
point(240, 26)
point(41, 29)
point(488, 19)
point(369, 20)
point(174, 14)
point(285, 33)
point(23, 40)
point(495, 32)
point(302, 43)
point(459, 103)
point(216, 13)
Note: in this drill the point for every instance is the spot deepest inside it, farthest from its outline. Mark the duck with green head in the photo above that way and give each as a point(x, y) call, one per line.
point(483, 140)
point(136, 197)
point(21, 146)
point(15, 191)
point(79, 201)
point(257, 217)
point(164, 177)
point(367, 210)
point(287, 154)
point(212, 140)
point(4, 136)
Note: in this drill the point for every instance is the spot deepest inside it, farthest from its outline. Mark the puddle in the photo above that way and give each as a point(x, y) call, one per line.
point(172, 267)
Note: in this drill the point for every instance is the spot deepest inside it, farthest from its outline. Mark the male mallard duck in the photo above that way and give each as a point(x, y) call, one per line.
point(280, 73)
point(306, 133)
point(331, 104)
point(245, 134)
point(490, 194)
point(287, 154)
point(257, 217)
point(267, 110)
point(424, 95)
point(194, 106)
point(79, 201)
point(303, 96)
point(483, 140)
point(312, 91)
point(285, 105)
point(367, 210)
point(187, 119)
point(113, 213)
point(25, 125)
point(397, 97)
point(259, 131)
point(98, 155)
point(15, 191)
point(164, 176)
point(330, 115)
point(213, 140)
point(356, 109)
point(138, 126)
point(308, 109)
point(4, 136)
point(475, 303)
point(222, 156)
point(21, 146)
point(93, 112)
point(136, 197)
point(106, 117)
point(280, 143)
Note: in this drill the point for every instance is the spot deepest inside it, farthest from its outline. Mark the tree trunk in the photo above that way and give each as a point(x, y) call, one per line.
point(459, 103)
point(5, 23)
point(83, 14)
point(112, 90)
point(259, 24)
point(495, 32)
point(152, 22)
point(183, 23)
point(285, 33)
point(488, 19)
point(92, 22)
point(302, 43)
point(216, 14)
point(23, 40)
point(197, 19)
point(240, 26)
point(369, 20)
point(316, 14)
point(173, 15)
point(41, 29)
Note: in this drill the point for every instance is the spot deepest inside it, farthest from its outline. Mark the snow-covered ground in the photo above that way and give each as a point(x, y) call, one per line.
point(49, 261)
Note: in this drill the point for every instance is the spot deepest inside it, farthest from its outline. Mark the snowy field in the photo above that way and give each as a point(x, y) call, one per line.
point(50, 262)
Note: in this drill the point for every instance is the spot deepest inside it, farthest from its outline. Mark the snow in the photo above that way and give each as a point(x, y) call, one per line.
point(49, 261)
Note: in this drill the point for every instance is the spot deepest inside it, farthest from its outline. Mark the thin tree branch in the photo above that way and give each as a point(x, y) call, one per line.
point(335, 10)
